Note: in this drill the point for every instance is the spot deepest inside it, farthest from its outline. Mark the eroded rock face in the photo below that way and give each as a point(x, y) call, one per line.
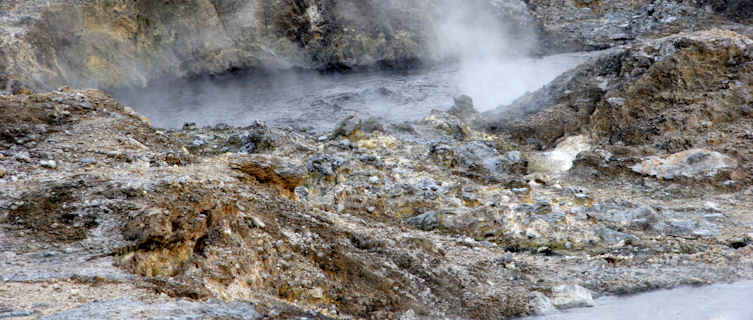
point(107, 44)
point(661, 97)
point(573, 25)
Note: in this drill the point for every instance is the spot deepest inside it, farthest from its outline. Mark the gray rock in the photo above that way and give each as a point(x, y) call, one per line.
point(371, 125)
point(49, 164)
point(478, 158)
point(613, 237)
point(87, 161)
point(347, 127)
point(426, 221)
point(695, 164)
point(571, 296)
point(463, 108)
point(284, 172)
point(22, 157)
point(258, 138)
point(324, 164)
point(448, 124)
point(540, 304)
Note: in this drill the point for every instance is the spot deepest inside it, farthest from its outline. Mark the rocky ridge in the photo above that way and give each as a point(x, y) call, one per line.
point(631, 172)
point(368, 222)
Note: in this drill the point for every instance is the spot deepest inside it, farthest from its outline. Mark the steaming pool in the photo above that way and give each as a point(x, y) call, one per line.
point(313, 102)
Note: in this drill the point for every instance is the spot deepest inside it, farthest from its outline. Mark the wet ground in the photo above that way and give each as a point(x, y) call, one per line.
point(716, 302)
point(310, 101)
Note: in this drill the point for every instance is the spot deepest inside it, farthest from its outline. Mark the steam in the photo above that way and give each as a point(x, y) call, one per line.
point(492, 42)
point(481, 48)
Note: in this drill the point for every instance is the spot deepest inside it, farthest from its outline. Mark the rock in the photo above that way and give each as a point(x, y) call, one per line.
point(477, 158)
point(540, 304)
point(571, 296)
point(347, 127)
point(371, 159)
point(87, 162)
point(372, 125)
point(256, 222)
point(697, 164)
point(448, 124)
point(645, 218)
point(324, 164)
point(257, 138)
point(188, 126)
point(559, 160)
point(49, 164)
point(463, 108)
point(426, 221)
point(22, 157)
point(615, 237)
point(284, 173)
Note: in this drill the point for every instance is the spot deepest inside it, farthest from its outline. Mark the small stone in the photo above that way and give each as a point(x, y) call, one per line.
point(85, 105)
point(49, 164)
point(2, 172)
point(514, 156)
point(372, 124)
point(22, 157)
point(713, 206)
point(426, 221)
point(347, 127)
point(87, 161)
point(317, 293)
point(695, 164)
point(324, 164)
point(463, 107)
point(559, 160)
point(540, 304)
point(189, 126)
point(571, 296)
point(746, 110)
point(198, 142)
point(374, 180)
point(616, 102)
point(257, 222)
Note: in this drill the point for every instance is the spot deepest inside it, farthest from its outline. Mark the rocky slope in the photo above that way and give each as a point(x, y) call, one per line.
point(629, 173)
point(370, 222)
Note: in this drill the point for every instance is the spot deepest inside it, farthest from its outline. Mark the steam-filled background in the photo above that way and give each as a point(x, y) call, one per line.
point(478, 48)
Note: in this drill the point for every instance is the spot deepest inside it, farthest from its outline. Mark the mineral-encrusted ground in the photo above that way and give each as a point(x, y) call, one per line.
point(427, 219)
point(631, 172)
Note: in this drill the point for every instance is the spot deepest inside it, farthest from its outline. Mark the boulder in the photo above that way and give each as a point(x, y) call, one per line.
point(559, 160)
point(347, 127)
point(696, 164)
point(283, 173)
point(568, 296)
point(426, 221)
